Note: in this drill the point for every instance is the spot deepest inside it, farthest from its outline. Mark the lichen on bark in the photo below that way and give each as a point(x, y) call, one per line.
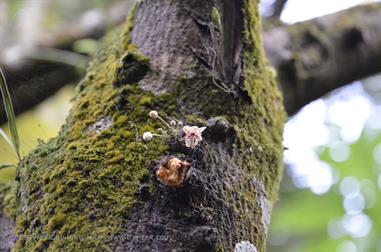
point(83, 188)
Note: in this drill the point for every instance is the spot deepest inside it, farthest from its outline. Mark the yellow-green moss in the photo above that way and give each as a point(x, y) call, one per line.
point(55, 222)
point(82, 182)
point(8, 199)
point(216, 17)
point(120, 120)
point(266, 115)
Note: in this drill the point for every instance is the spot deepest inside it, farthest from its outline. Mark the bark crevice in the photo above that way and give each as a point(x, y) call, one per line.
point(231, 45)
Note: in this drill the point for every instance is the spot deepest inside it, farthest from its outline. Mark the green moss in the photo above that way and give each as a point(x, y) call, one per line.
point(121, 120)
point(266, 115)
point(216, 17)
point(8, 199)
point(55, 222)
point(83, 183)
point(126, 38)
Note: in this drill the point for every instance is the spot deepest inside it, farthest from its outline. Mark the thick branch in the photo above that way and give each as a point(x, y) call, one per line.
point(82, 28)
point(32, 81)
point(31, 84)
point(278, 8)
point(317, 56)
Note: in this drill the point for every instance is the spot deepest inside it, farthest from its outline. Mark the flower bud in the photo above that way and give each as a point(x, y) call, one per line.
point(153, 114)
point(147, 136)
point(172, 123)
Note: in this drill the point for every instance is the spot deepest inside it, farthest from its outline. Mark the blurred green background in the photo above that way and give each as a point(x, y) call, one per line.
point(331, 191)
point(38, 124)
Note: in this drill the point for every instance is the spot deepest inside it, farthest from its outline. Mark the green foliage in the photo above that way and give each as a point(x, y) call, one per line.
point(301, 219)
point(5, 137)
point(10, 114)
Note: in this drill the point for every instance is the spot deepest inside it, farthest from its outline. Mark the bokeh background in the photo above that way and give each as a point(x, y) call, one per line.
point(330, 197)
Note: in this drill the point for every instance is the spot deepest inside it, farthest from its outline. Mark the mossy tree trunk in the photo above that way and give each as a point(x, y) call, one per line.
point(93, 187)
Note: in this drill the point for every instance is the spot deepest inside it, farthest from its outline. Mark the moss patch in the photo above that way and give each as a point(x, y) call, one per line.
point(8, 199)
point(76, 189)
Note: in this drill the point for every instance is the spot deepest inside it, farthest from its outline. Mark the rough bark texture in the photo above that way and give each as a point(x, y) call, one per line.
point(7, 237)
point(93, 187)
point(317, 56)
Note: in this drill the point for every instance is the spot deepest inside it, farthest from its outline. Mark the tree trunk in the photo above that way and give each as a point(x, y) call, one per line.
point(94, 187)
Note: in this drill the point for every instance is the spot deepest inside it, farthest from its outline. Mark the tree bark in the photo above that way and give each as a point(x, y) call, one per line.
point(7, 237)
point(94, 186)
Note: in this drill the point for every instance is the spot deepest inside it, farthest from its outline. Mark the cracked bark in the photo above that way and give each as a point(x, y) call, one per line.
point(231, 45)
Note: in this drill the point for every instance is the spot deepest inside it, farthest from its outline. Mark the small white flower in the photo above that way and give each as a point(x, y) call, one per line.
point(147, 136)
point(153, 114)
point(180, 123)
point(192, 135)
point(172, 123)
point(245, 246)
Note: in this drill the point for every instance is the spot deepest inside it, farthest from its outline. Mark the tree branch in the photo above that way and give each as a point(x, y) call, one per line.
point(317, 56)
point(33, 80)
point(278, 8)
point(82, 28)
